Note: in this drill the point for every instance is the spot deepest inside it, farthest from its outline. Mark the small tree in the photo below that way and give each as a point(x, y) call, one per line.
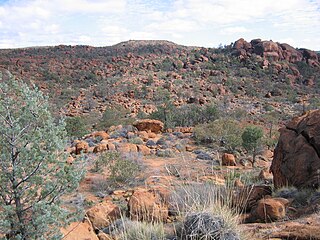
point(251, 140)
point(33, 170)
point(76, 126)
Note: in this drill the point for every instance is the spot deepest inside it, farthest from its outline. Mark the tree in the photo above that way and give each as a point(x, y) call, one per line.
point(33, 170)
point(251, 137)
point(76, 126)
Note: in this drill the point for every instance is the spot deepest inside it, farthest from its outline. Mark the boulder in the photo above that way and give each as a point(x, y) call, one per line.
point(79, 231)
point(70, 160)
point(82, 146)
point(147, 125)
point(265, 175)
point(102, 134)
point(147, 205)
point(228, 160)
point(290, 53)
point(111, 147)
point(144, 150)
point(100, 148)
point(102, 214)
point(127, 148)
point(270, 209)
point(246, 197)
point(242, 44)
point(296, 160)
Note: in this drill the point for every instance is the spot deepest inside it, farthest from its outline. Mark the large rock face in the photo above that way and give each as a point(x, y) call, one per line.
point(297, 156)
point(274, 51)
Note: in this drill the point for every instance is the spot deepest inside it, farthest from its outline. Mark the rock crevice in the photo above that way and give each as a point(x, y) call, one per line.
point(296, 159)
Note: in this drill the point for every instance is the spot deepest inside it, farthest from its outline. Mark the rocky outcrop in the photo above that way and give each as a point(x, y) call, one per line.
point(274, 51)
point(149, 125)
point(296, 159)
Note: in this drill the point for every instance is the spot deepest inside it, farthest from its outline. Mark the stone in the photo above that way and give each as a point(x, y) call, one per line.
point(104, 236)
point(147, 125)
point(81, 146)
point(147, 205)
point(70, 160)
point(247, 197)
point(102, 214)
point(100, 148)
point(265, 175)
point(102, 134)
point(203, 156)
point(127, 148)
point(144, 150)
point(79, 231)
point(111, 147)
point(228, 160)
point(270, 209)
point(296, 160)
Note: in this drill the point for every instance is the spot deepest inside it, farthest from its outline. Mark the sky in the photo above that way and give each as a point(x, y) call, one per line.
point(206, 23)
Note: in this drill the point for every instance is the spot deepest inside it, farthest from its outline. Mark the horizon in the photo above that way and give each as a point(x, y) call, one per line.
point(200, 23)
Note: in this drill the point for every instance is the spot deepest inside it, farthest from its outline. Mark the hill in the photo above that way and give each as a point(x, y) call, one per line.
point(255, 75)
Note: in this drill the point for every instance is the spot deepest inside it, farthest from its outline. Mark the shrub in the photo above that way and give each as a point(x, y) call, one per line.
point(143, 231)
point(126, 229)
point(223, 132)
point(33, 171)
point(207, 226)
point(206, 212)
point(187, 115)
point(114, 117)
point(121, 169)
point(251, 140)
point(77, 126)
point(104, 160)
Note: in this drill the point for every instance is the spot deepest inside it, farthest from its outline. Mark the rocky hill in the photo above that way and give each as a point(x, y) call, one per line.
point(252, 75)
point(210, 159)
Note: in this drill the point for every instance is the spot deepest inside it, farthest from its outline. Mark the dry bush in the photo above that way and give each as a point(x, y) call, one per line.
point(205, 210)
point(125, 229)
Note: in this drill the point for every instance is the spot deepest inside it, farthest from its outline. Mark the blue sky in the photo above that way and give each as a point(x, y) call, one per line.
point(208, 23)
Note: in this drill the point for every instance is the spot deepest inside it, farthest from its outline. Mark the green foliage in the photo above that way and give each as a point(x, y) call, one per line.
point(251, 137)
point(114, 117)
point(33, 170)
point(104, 160)
point(77, 126)
point(121, 170)
point(225, 132)
point(187, 115)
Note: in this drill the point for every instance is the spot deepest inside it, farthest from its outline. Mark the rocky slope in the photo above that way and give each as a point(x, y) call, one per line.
point(259, 82)
point(82, 80)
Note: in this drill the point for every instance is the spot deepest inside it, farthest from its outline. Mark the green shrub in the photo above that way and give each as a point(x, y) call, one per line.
point(225, 132)
point(114, 117)
point(121, 169)
point(77, 126)
point(251, 138)
point(185, 116)
point(104, 160)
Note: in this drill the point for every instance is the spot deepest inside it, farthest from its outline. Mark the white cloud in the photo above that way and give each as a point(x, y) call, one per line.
point(233, 30)
point(206, 22)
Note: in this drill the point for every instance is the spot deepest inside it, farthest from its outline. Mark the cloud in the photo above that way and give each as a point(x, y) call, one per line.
point(196, 22)
point(233, 30)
